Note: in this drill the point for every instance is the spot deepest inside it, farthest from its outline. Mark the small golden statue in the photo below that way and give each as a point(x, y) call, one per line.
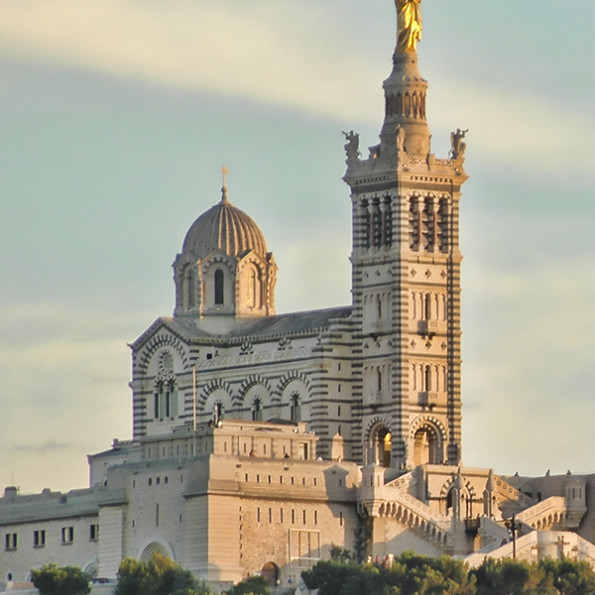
point(409, 24)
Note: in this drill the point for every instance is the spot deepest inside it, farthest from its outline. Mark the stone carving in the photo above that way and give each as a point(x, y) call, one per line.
point(284, 343)
point(400, 138)
point(352, 146)
point(246, 348)
point(409, 24)
point(456, 143)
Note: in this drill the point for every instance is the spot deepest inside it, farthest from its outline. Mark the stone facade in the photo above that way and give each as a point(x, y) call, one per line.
point(261, 439)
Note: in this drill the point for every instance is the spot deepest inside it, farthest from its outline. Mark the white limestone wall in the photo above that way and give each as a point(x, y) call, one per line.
point(391, 537)
point(196, 526)
point(112, 520)
point(81, 552)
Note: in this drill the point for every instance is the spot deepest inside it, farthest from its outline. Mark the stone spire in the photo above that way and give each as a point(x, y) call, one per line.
point(488, 495)
point(405, 126)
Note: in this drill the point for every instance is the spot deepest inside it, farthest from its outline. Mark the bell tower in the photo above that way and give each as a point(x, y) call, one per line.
point(406, 273)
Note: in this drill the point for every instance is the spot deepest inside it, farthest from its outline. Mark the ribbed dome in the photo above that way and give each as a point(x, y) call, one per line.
point(224, 227)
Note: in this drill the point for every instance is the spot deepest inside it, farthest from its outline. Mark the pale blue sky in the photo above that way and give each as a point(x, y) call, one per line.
point(116, 116)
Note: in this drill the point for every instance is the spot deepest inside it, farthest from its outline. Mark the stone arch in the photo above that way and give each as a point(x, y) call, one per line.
point(414, 105)
point(189, 287)
point(468, 495)
point(256, 399)
point(187, 282)
point(216, 402)
point(91, 569)
point(288, 377)
point(219, 273)
point(270, 574)
point(252, 277)
point(156, 547)
point(378, 442)
point(295, 399)
point(427, 438)
point(407, 105)
point(164, 340)
point(252, 381)
point(447, 485)
point(208, 389)
point(219, 259)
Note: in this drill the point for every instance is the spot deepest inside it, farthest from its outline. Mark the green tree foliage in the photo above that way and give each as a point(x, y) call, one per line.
point(570, 577)
point(159, 576)
point(65, 580)
point(254, 585)
point(340, 554)
point(512, 578)
point(412, 574)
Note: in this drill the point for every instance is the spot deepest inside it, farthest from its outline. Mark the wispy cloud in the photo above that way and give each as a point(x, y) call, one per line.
point(529, 369)
point(45, 447)
point(279, 53)
point(272, 52)
point(515, 128)
point(64, 389)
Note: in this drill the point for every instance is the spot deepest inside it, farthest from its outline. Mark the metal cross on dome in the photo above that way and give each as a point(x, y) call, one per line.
point(224, 172)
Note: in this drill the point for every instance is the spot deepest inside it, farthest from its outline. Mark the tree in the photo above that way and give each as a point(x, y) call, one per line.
point(65, 580)
point(159, 576)
point(570, 577)
point(413, 574)
point(340, 554)
point(408, 574)
point(512, 577)
point(329, 577)
point(253, 585)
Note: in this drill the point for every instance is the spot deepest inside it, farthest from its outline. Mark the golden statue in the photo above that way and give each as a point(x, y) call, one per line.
point(409, 24)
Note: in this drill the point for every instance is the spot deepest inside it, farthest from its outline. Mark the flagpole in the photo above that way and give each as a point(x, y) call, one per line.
point(194, 408)
point(194, 404)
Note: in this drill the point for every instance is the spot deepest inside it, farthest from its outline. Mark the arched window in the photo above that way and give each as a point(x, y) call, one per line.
point(366, 223)
point(190, 289)
point(384, 447)
point(219, 287)
point(426, 447)
point(257, 410)
point(415, 223)
point(219, 412)
point(443, 227)
point(270, 574)
point(252, 297)
point(296, 408)
point(387, 223)
point(450, 499)
point(428, 378)
point(165, 400)
point(428, 306)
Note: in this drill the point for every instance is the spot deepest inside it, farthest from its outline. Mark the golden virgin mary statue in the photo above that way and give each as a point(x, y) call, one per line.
point(409, 24)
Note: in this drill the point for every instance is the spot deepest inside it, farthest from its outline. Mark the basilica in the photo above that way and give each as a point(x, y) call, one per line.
point(260, 440)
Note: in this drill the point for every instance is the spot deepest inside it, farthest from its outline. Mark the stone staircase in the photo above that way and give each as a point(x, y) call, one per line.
point(392, 500)
point(545, 515)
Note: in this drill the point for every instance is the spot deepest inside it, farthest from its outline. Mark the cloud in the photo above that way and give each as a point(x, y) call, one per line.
point(528, 345)
point(64, 374)
point(43, 448)
point(278, 53)
point(513, 127)
point(271, 52)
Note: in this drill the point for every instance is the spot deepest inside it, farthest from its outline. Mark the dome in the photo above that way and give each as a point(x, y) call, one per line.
point(224, 227)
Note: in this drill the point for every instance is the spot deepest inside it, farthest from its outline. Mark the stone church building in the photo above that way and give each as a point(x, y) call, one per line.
point(262, 439)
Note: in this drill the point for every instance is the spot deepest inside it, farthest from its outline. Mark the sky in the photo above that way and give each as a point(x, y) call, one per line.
point(117, 115)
